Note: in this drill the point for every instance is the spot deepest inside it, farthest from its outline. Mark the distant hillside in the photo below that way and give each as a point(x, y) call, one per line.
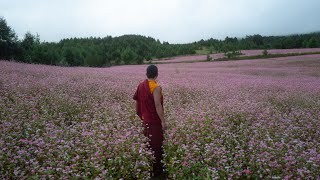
point(131, 49)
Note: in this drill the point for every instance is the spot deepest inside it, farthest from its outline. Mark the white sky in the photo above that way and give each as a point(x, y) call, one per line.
point(176, 21)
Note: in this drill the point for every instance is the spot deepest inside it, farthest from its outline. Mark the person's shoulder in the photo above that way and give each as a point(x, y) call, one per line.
point(158, 88)
point(142, 82)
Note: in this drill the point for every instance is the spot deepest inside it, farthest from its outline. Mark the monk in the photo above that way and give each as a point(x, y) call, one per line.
point(149, 107)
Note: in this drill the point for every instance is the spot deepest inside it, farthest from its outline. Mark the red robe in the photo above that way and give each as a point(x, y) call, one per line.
point(147, 112)
point(146, 108)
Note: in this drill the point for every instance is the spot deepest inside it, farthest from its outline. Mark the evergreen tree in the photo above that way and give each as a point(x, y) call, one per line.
point(30, 48)
point(8, 41)
point(313, 43)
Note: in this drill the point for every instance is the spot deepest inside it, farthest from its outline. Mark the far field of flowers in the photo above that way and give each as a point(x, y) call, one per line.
point(195, 58)
point(239, 119)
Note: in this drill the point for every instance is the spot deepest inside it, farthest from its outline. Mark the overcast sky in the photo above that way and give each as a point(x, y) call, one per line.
point(176, 21)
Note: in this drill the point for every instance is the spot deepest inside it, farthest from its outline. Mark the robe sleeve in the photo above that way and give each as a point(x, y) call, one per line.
point(135, 96)
point(138, 108)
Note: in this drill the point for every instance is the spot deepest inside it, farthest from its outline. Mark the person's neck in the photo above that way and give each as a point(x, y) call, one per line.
point(151, 79)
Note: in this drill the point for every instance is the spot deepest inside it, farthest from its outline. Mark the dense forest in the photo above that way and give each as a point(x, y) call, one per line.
point(130, 49)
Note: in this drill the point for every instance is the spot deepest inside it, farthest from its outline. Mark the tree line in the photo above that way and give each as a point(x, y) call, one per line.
point(130, 49)
point(310, 40)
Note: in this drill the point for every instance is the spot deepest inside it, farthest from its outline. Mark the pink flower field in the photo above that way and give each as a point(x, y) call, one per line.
point(244, 52)
point(254, 119)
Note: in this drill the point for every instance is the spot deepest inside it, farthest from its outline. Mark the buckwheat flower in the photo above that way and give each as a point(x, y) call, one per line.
point(185, 164)
point(34, 117)
point(247, 171)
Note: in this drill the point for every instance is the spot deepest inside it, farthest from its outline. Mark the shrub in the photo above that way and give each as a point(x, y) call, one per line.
point(265, 52)
point(209, 58)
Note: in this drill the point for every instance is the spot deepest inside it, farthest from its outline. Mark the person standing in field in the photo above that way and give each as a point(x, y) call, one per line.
point(149, 107)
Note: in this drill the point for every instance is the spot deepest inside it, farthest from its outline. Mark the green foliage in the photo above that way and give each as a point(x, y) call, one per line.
point(8, 41)
point(30, 48)
point(313, 43)
point(211, 50)
point(257, 41)
point(205, 51)
point(128, 55)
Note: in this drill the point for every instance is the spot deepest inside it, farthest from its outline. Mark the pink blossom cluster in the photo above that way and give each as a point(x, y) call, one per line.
point(232, 119)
